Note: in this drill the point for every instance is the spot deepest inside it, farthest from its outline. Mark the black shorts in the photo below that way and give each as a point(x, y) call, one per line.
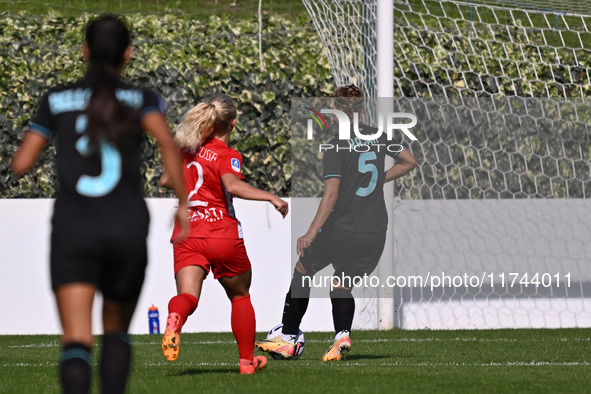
point(350, 253)
point(116, 265)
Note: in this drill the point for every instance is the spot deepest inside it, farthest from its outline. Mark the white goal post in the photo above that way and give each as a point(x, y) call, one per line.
point(385, 88)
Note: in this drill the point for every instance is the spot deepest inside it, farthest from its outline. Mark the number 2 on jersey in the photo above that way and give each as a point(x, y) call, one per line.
point(365, 167)
point(196, 203)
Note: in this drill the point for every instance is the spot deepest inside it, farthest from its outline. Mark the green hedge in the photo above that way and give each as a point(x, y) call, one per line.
point(186, 61)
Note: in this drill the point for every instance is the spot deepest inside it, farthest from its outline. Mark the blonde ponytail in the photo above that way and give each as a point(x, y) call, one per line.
point(206, 120)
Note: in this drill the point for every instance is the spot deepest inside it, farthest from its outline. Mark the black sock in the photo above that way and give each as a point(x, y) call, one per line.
point(115, 362)
point(296, 304)
point(343, 309)
point(74, 366)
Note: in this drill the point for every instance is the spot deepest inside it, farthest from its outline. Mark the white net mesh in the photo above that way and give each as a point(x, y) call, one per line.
point(457, 48)
point(348, 32)
point(500, 89)
point(555, 6)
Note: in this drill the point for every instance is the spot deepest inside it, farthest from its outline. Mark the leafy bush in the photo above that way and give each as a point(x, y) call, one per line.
point(185, 60)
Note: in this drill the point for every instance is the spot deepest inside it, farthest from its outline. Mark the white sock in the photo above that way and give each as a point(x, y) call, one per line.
point(341, 334)
point(288, 338)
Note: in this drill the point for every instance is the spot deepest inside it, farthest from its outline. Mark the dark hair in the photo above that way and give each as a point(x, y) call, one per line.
point(349, 99)
point(107, 38)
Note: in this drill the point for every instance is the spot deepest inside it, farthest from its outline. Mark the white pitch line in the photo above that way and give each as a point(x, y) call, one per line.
point(430, 339)
point(35, 345)
point(45, 364)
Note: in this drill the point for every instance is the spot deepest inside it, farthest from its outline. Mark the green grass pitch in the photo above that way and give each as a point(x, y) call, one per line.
point(510, 361)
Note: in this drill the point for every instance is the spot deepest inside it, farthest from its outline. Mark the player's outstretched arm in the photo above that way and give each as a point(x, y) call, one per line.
point(327, 203)
point(28, 152)
point(155, 124)
point(238, 188)
point(405, 162)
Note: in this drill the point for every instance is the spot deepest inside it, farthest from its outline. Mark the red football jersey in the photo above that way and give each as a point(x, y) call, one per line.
point(211, 213)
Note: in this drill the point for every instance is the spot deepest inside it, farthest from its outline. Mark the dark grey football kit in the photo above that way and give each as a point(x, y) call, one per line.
point(353, 237)
point(100, 220)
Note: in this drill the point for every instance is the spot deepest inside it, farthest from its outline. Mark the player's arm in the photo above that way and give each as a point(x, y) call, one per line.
point(155, 124)
point(405, 162)
point(28, 152)
point(327, 203)
point(238, 188)
point(165, 180)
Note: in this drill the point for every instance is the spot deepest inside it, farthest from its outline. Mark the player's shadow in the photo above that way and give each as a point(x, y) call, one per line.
point(357, 357)
point(205, 370)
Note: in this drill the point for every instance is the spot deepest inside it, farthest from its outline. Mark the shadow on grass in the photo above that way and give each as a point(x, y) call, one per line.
point(203, 371)
point(359, 357)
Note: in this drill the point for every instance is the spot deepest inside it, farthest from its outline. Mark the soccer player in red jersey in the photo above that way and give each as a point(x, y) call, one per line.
point(100, 218)
point(212, 177)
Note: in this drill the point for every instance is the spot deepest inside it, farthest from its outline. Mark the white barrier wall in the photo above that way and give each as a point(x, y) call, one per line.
point(481, 239)
point(27, 305)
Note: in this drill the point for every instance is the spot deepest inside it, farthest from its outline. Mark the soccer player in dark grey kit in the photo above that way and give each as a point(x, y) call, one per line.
point(100, 219)
point(349, 229)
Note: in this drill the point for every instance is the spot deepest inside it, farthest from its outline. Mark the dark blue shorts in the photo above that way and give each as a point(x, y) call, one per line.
point(350, 253)
point(116, 265)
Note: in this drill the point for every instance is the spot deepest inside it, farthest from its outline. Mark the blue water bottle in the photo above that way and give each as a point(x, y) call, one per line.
point(154, 320)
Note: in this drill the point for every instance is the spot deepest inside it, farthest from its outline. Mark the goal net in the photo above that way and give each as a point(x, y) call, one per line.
point(491, 230)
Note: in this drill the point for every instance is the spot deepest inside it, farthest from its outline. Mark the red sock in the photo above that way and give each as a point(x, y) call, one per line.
point(243, 326)
point(184, 304)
